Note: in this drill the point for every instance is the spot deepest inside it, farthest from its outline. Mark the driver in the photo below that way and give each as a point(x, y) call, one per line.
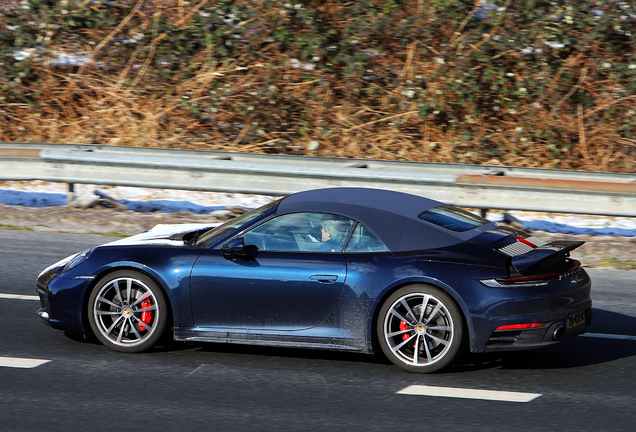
point(331, 236)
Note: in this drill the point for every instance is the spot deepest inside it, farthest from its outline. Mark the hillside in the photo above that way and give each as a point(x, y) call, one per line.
point(526, 83)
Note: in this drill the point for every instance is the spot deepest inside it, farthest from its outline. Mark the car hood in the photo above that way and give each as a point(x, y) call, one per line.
point(162, 234)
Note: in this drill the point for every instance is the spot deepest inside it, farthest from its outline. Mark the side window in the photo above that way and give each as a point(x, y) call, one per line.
point(452, 218)
point(305, 232)
point(363, 240)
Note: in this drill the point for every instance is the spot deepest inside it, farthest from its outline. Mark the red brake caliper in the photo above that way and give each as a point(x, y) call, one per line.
point(404, 326)
point(146, 316)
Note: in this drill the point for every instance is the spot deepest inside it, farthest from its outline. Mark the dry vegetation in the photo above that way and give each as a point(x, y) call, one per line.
point(528, 83)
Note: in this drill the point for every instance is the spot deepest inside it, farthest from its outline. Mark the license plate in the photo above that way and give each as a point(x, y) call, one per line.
point(576, 319)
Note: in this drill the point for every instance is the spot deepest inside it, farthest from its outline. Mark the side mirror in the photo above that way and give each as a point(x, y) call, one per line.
point(234, 248)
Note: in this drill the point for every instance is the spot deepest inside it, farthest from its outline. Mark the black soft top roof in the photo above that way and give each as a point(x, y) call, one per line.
point(392, 216)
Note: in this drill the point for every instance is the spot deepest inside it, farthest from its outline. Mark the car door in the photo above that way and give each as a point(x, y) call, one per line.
point(284, 281)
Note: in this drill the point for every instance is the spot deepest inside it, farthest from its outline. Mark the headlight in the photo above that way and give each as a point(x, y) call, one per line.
point(61, 266)
point(75, 260)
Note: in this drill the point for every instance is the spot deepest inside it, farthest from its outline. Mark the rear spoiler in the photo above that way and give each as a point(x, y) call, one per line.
point(544, 259)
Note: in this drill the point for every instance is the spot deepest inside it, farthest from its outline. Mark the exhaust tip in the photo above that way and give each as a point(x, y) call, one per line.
point(558, 333)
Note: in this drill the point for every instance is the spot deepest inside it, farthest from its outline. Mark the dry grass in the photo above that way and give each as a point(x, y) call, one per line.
point(411, 106)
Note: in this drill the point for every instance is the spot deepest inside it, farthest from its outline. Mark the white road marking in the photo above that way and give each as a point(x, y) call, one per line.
point(493, 395)
point(19, 297)
point(24, 363)
point(609, 336)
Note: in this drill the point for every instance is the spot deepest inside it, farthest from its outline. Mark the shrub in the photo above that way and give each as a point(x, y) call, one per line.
point(534, 83)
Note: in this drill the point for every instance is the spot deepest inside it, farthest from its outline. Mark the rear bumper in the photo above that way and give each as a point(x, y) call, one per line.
point(551, 305)
point(553, 332)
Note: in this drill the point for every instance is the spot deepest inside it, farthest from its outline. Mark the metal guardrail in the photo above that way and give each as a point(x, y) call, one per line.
point(476, 186)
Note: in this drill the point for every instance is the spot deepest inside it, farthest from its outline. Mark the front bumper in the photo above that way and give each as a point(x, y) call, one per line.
point(61, 303)
point(43, 312)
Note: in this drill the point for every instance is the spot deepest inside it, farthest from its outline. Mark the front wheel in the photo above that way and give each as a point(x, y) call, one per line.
point(420, 328)
point(127, 311)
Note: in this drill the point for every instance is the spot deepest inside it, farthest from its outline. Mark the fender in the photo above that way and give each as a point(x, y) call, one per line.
point(422, 280)
point(168, 287)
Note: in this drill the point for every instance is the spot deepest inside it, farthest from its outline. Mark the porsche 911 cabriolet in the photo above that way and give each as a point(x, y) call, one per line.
point(352, 269)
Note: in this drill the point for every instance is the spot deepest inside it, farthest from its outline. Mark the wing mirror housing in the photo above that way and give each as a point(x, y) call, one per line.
point(234, 248)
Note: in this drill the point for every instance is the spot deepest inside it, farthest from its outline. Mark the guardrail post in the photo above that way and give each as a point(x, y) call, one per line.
point(70, 196)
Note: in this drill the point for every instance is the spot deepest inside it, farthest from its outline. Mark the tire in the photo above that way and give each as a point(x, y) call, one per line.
point(127, 311)
point(420, 329)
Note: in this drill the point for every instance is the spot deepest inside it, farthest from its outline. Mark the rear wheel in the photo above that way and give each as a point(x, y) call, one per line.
point(419, 328)
point(127, 311)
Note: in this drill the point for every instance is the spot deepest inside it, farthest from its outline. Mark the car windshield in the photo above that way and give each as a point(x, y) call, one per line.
point(452, 218)
point(215, 234)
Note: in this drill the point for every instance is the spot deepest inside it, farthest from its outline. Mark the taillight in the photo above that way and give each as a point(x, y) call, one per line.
point(514, 283)
point(530, 281)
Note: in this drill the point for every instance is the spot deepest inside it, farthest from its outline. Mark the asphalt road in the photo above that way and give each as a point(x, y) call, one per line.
point(586, 384)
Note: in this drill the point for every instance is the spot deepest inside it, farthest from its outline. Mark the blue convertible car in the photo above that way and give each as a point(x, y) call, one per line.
point(353, 269)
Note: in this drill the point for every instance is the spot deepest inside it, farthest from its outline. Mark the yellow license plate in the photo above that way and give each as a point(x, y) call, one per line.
point(576, 319)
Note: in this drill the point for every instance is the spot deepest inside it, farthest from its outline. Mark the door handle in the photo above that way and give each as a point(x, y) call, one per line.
point(324, 278)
